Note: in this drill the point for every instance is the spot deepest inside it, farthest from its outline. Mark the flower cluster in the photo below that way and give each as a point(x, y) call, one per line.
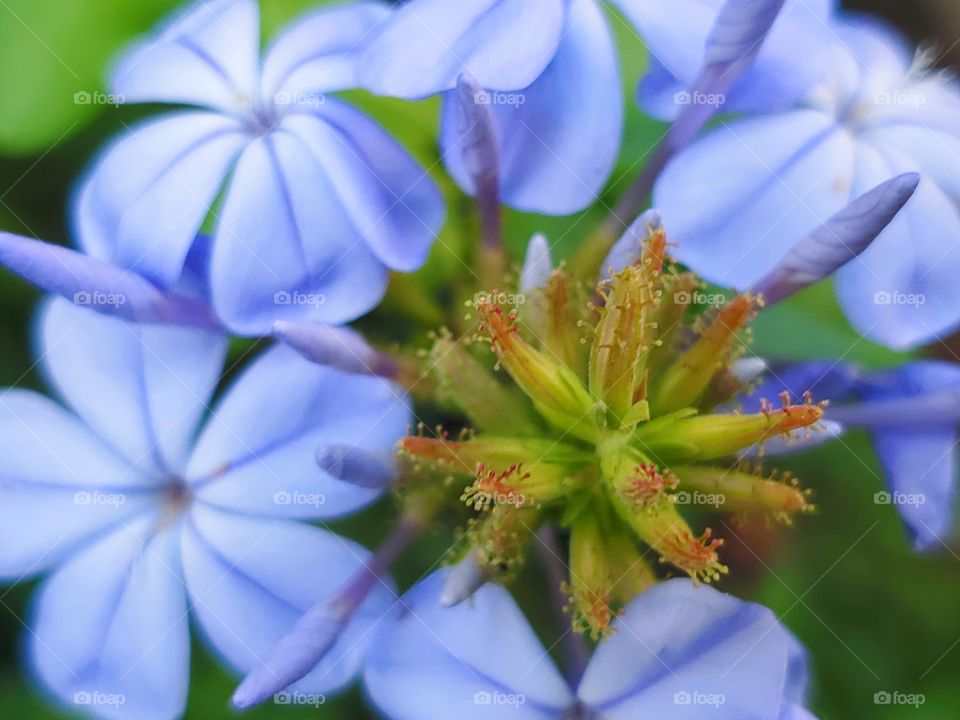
point(598, 409)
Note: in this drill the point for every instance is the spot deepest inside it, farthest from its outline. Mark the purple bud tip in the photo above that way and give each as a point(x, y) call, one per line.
point(740, 29)
point(479, 136)
point(297, 653)
point(337, 347)
point(356, 466)
point(462, 581)
point(839, 240)
point(628, 249)
point(537, 266)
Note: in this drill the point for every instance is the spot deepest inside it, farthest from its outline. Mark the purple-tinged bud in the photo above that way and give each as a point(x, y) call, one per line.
point(463, 580)
point(537, 266)
point(839, 240)
point(739, 31)
point(338, 347)
point(628, 249)
point(481, 155)
point(357, 466)
point(100, 286)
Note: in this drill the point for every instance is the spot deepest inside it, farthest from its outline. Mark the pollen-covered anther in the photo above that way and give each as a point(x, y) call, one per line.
point(696, 556)
point(648, 486)
point(495, 488)
point(591, 611)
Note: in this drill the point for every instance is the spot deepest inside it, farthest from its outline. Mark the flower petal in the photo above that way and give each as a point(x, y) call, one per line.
point(678, 641)
point(110, 629)
point(59, 484)
point(503, 44)
point(286, 248)
point(480, 659)
point(319, 53)
point(208, 56)
point(902, 290)
point(250, 580)
point(782, 176)
point(559, 138)
point(393, 203)
point(142, 388)
point(257, 452)
point(144, 200)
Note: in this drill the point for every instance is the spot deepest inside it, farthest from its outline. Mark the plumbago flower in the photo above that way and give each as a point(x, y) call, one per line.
point(876, 111)
point(320, 202)
point(549, 73)
point(679, 651)
point(912, 412)
point(144, 519)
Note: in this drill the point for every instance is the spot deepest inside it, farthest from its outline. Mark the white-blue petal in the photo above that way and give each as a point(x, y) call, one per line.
point(478, 660)
point(286, 248)
point(560, 137)
point(59, 484)
point(142, 388)
point(319, 53)
point(902, 290)
point(503, 44)
point(251, 579)
point(677, 646)
point(208, 55)
point(144, 200)
point(257, 453)
point(109, 633)
point(394, 205)
point(739, 198)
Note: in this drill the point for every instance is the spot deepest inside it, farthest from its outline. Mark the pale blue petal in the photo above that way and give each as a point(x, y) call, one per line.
point(678, 641)
point(560, 137)
point(257, 452)
point(145, 198)
point(738, 199)
point(59, 484)
point(394, 205)
point(250, 580)
point(142, 388)
point(502, 44)
point(902, 290)
point(319, 52)
point(286, 248)
point(478, 660)
point(110, 632)
point(208, 55)
point(537, 265)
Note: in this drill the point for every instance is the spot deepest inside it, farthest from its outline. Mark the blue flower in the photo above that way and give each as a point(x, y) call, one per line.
point(145, 513)
point(912, 413)
point(320, 202)
point(679, 651)
point(551, 77)
point(737, 198)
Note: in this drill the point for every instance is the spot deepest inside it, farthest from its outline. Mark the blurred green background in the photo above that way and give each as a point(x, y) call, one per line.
point(875, 616)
